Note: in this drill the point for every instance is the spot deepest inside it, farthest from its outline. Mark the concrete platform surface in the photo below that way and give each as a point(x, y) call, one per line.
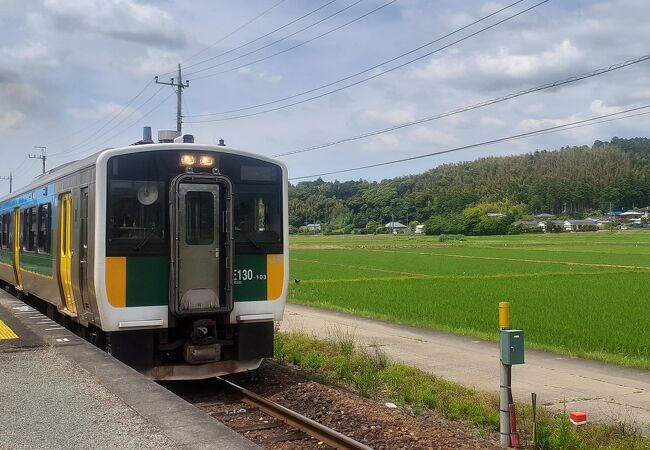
point(58, 391)
point(606, 392)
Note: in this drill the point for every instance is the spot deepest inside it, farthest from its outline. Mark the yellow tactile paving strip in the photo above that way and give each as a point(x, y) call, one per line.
point(6, 332)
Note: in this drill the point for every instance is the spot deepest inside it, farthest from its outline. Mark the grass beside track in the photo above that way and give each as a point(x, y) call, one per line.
point(584, 294)
point(338, 361)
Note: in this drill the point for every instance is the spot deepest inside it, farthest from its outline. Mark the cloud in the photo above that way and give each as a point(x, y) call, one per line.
point(126, 20)
point(31, 54)
point(247, 72)
point(424, 135)
point(21, 101)
point(156, 62)
point(371, 117)
point(103, 111)
point(478, 68)
point(10, 121)
point(598, 107)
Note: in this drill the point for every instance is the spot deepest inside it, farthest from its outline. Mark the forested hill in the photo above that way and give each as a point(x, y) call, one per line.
point(573, 179)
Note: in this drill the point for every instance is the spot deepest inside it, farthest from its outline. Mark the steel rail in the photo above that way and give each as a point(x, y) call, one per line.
point(327, 435)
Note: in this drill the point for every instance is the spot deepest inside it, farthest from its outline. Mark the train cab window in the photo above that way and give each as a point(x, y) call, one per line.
point(136, 214)
point(44, 228)
point(199, 218)
point(258, 218)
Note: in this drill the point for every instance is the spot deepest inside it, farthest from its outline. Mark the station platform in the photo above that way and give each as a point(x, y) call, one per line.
point(58, 391)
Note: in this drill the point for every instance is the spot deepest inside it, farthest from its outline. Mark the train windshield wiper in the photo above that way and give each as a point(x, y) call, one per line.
point(145, 239)
point(251, 240)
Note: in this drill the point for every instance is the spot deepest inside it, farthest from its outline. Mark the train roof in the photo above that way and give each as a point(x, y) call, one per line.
point(75, 166)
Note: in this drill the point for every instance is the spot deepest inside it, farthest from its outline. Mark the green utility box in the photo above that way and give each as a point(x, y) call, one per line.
point(512, 347)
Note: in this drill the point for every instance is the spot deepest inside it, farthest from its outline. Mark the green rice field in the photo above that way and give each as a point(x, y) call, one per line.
point(584, 294)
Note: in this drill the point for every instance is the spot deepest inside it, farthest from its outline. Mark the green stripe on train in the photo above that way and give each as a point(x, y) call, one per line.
point(147, 280)
point(37, 263)
point(6, 257)
point(249, 278)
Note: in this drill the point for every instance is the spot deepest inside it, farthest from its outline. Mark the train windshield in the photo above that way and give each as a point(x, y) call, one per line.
point(137, 219)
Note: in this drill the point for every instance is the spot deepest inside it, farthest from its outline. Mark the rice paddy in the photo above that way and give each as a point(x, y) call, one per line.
point(584, 294)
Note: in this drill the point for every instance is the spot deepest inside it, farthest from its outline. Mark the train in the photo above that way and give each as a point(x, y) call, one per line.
point(172, 256)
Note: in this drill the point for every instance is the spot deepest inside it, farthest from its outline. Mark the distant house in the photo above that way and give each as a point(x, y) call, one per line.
point(615, 214)
point(311, 228)
point(396, 227)
point(420, 229)
point(577, 225)
point(632, 215)
point(531, 224)
point(544, 216)
point(495, 214)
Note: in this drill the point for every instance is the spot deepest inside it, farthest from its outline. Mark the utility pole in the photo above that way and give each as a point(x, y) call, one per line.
point(179, 96)
point(11, 181)
point(42, 156)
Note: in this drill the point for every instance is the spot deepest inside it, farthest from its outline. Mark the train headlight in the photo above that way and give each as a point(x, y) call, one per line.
point(188, 160)
point(206, 161)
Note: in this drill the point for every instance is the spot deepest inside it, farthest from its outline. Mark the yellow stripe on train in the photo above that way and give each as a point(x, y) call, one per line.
point(274, 276)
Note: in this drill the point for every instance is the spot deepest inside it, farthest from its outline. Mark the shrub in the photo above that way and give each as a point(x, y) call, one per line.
point(451, 237)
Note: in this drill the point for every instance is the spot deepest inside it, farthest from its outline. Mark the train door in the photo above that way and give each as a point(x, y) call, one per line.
point(202, 246)
point(65, 253)
point(83, 247)
point(19, 278)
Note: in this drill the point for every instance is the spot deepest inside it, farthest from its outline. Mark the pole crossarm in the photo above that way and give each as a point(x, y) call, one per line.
point(42, 156)
point(179, 85)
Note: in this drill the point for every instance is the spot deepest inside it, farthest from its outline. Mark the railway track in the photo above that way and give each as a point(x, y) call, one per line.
point(314, 429)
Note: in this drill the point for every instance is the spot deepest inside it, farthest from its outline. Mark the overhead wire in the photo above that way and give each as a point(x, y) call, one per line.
point(438, 39)
point(96, 122)
point(547, 130)
point(503, 98)
point(277, 41)
point(261, 37)
point(363, 80)
point(236, 30)
point(92, 138)
point(98, 146)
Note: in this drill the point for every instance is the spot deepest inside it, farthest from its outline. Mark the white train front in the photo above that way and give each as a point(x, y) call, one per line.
point(172, 256)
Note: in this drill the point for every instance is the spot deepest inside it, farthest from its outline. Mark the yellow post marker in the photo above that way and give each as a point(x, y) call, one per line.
point(504, 315)
point(505, 394)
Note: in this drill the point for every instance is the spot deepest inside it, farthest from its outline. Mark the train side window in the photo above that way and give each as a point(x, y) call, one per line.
point(44, 228)
point(6, 235)
point(24, 229)
point(6, 220)
point(2, 232)
point(29, 231)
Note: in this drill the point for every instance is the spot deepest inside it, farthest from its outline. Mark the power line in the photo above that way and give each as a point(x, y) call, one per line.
point(363, 71)
point(485, 103)
point(95, 137)
point(380, 73)
point(548, 130)
point(263, 36)
point(282, 39)
point(134, 98)
point(100, 144)
point(241, 27)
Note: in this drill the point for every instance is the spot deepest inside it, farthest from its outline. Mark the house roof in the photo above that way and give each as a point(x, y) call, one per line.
point(582, 222)
point(632, 213)
point(529, 223)
point(544, 215)
point(395, 225)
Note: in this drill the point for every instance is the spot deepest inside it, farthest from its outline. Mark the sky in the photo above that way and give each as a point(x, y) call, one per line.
point(70, 69)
